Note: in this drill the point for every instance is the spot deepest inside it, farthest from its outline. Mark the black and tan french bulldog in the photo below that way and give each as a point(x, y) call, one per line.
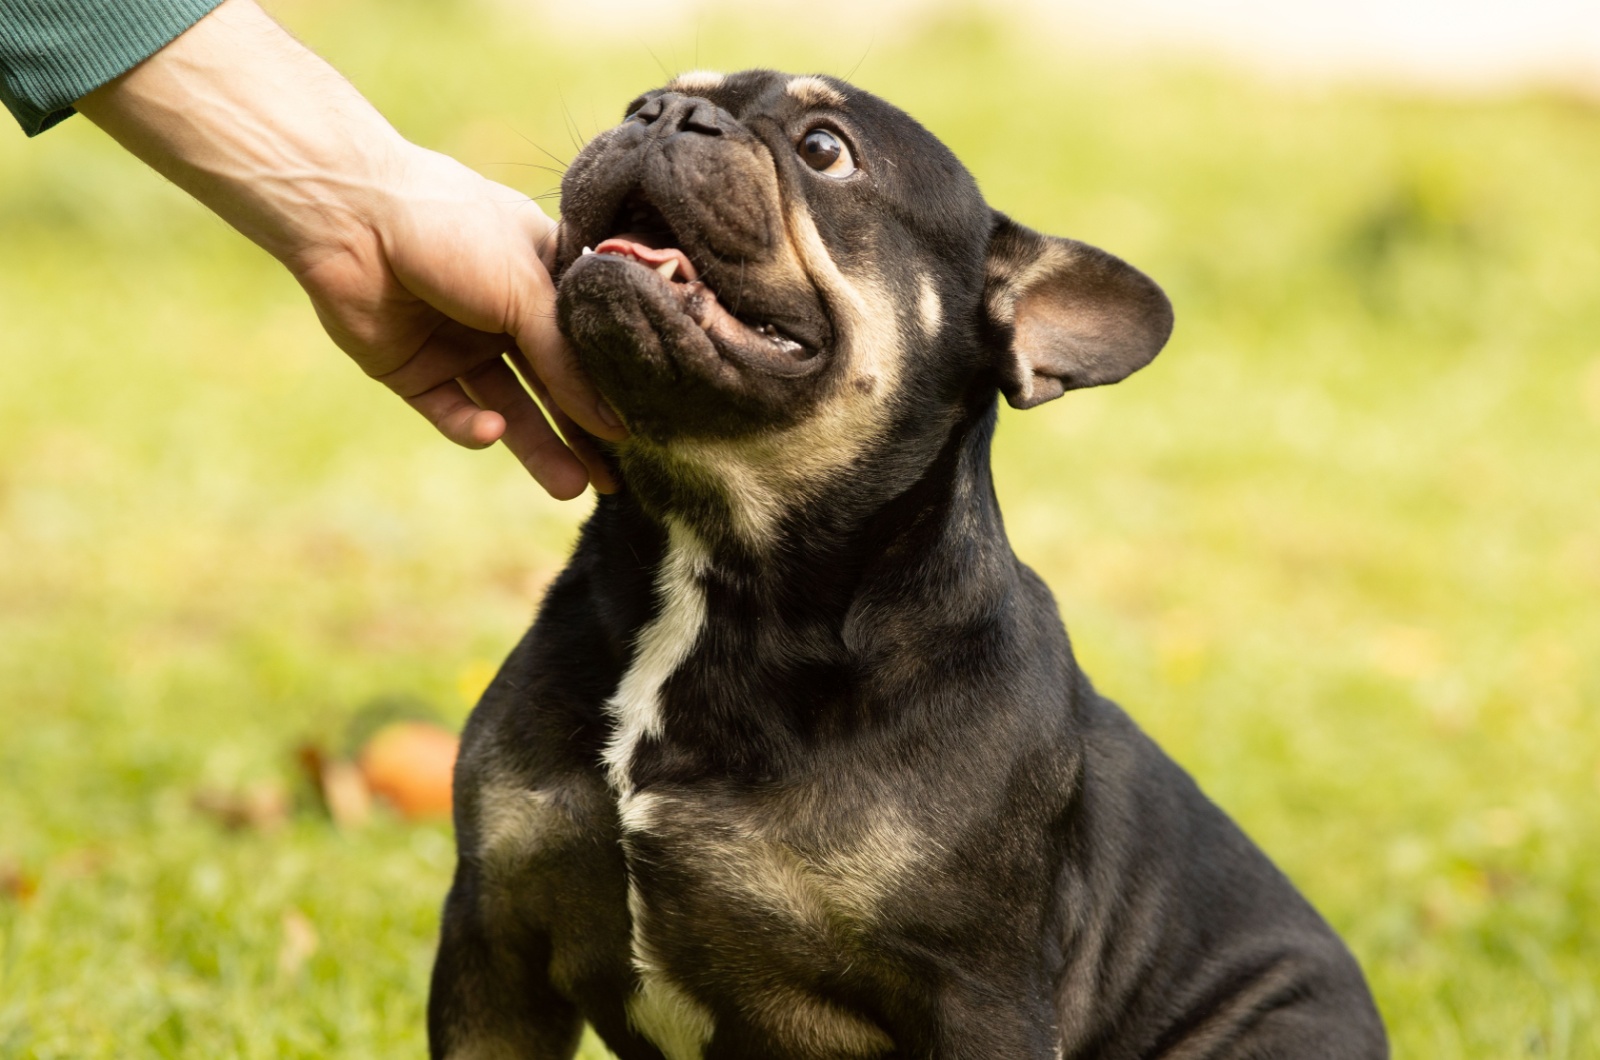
point(796, 761)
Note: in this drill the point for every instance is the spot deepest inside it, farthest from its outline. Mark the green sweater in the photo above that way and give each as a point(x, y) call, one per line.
point(54, 52)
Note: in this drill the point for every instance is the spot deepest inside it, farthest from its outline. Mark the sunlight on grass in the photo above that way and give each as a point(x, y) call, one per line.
point(1338, 549)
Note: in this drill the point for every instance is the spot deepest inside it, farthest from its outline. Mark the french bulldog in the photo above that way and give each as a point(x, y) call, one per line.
point(796, 761)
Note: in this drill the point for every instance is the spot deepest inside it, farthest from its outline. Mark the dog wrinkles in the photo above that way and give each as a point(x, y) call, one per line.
point(767, 475)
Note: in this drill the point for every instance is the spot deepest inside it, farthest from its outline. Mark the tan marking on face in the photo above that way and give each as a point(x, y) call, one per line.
point(812, 91)
point(929, 307)
point(692, 81)
point(765, 475)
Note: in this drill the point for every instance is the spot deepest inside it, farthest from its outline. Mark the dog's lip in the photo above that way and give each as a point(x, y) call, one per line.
point(769, 351)
point(762, 347)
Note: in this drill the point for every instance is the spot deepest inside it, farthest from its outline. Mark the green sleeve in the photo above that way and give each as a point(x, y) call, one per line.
point(53, 52)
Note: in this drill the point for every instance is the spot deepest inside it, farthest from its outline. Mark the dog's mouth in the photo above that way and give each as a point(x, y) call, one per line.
point(640, 233)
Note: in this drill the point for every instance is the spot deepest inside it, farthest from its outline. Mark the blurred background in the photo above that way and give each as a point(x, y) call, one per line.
point(1338, 549)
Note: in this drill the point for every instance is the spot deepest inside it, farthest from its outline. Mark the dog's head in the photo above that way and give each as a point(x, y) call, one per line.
point(769, 277)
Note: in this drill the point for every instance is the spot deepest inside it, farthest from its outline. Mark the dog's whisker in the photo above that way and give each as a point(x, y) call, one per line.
point(871, 41)
point(665, 73)
point(557, 159)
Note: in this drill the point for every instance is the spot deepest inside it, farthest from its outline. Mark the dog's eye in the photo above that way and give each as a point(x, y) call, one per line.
point(826, 153)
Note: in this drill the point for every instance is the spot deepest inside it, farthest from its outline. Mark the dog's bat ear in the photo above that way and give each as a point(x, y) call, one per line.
point(1069, 315)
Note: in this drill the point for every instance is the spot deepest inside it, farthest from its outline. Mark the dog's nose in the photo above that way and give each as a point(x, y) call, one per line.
point(672, 113)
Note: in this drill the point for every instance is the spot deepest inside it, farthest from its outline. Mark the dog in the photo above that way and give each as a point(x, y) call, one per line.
point(796, 762)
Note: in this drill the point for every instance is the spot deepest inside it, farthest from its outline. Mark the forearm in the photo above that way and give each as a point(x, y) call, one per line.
point(258, 128)
point(423, 271)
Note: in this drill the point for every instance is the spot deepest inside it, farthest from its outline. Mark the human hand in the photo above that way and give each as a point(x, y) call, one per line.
point(427, 274)
point(451, 275)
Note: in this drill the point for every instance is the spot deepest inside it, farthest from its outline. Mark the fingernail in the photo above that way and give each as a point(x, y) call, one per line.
point(607, 415)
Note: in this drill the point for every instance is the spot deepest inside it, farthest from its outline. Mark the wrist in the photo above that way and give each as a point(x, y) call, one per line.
point(255, 126)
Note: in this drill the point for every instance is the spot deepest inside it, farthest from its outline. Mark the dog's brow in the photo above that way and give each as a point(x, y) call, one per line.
point(697, 81)
point(813, 91)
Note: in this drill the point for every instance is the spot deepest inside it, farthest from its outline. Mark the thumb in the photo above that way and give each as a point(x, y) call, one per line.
point(548, 356)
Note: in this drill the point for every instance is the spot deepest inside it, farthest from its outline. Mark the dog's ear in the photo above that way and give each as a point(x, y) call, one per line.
point(1068, 315)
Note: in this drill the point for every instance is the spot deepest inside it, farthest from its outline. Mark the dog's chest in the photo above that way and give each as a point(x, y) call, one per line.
point(744, 920)
point(743, 904)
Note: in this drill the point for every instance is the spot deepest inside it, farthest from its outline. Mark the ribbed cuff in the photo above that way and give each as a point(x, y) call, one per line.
point(54, 52)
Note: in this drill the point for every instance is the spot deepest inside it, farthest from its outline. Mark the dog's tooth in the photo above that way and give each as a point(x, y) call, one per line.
point(587, 250)
point(668, 269)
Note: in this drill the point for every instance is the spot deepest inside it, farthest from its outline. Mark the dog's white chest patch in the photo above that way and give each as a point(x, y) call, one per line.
point(678, 1024)
point(664, 643)
point(660, 1010)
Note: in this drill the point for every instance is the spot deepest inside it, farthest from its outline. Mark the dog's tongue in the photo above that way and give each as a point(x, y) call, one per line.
point(655, 257)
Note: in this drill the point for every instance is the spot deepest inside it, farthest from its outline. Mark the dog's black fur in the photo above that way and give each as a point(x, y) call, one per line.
point(796, 761)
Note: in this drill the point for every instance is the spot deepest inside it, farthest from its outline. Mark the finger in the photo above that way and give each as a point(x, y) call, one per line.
point(458, 417)
point(553, 363)
point(527, 434)
point(581, 443)
point(449, 352)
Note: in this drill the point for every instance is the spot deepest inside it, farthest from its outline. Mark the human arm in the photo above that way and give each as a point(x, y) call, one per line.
point(423, 271)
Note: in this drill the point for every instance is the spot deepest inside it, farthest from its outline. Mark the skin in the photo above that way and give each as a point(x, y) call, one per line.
point(432, 278)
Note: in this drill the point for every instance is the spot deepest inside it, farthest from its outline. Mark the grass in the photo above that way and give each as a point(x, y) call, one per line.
point(1338, 549)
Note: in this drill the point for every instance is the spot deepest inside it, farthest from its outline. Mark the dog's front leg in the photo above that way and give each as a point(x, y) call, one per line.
point(491, 996)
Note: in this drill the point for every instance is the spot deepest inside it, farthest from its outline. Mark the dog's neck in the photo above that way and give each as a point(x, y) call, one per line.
point(785, 645)
point(930, 506)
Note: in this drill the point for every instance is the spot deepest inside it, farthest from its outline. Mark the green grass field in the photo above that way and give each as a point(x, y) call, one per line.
point(1338, 549)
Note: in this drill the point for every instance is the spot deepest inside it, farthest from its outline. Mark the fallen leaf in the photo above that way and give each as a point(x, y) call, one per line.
point(345, 793)
point(338, 785)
